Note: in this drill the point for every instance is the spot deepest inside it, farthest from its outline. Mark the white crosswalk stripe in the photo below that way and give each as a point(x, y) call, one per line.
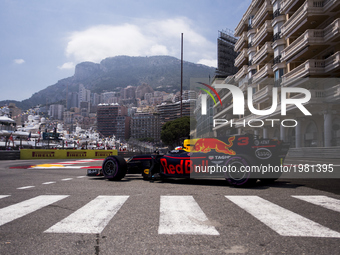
point(326, 202)
point(182, 215)
point(281, 220)
point(91, 218)
point(177, 215)
point(21, 209)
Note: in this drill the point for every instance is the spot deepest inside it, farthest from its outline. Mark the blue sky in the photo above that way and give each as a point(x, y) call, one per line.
point(42, 41)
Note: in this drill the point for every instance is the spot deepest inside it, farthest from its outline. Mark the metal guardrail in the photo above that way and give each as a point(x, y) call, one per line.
point(315, 152)
point(128, 154)
point(9, 155)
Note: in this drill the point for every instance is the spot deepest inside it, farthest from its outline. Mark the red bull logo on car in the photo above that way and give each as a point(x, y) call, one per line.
point(207, 144)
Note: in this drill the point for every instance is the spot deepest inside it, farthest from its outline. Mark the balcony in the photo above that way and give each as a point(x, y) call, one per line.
point(331, 33)
point(264, 53)
point(332, 95)
point(241, 27)
point(309, 12)
point(264, 72)
point(241, 58)
point(308, 68)
point(332, 63)
point(317, 96)
point(288, 6)
point(263, 94)
point(310, 37)
point(261, 15)
point(331, 5)
point(224, 110)
point(314, 67)
point(264, 33)
point(242, 72)
point(241, 42)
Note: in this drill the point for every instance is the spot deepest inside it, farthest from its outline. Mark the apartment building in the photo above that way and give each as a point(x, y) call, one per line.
point(112, 120)
point(56, 111)
point(172, 111)
point(287, 44)
point(145, 125)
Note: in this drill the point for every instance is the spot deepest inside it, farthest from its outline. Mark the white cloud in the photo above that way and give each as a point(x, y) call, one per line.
point(68, 65)
point(208, 62)
point(19, 61)
point(156, 37)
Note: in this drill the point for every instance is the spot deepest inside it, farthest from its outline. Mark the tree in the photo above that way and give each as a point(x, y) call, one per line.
point(173, 132)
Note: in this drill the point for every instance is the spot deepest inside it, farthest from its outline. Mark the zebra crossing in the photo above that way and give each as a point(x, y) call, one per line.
point(178, 215)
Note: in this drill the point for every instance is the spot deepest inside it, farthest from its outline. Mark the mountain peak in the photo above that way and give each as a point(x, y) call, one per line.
point(161, 73)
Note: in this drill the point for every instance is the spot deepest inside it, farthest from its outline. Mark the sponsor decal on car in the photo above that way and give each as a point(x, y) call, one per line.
point(263, 153)
point(205, 145)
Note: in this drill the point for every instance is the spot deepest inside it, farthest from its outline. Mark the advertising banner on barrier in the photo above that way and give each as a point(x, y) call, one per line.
point(65, 154)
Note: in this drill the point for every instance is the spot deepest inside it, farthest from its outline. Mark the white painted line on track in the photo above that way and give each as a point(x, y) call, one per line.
point(3, 196)
point(182, 215)
point(21, 209)
point(281, 220)
point(91, 218)
point(45, 183)
point(26, 187)
point(57, 167)
point(324, 201)
point(67, 179)
point(79, 177)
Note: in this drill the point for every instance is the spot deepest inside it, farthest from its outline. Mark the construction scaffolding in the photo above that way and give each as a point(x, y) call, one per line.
point(225, 53)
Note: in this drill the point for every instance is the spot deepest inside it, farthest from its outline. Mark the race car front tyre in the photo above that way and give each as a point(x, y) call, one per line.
point(114, 168)
point(236, 175)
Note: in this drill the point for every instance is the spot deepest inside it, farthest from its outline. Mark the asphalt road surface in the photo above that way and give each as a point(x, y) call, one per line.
point(49, 207)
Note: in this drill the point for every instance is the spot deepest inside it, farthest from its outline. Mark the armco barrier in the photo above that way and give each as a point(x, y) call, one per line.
point(9, 155)
point(129, 154)
point(315, 152)
point(65, 154)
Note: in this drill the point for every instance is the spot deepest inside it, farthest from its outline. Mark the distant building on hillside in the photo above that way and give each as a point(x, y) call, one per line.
point(172, 111)
point(113, 120)
point(145, 125)
point(56, 111)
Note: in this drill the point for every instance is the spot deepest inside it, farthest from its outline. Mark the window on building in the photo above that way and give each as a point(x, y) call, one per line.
point(277, 30)
point(278, 77)
point(276, 8)
point(250, 21)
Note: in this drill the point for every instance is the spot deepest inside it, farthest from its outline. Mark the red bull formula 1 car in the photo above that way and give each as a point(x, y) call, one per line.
point(240, 159)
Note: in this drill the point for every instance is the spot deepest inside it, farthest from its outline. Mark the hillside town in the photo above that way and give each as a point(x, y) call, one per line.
point(136, 113)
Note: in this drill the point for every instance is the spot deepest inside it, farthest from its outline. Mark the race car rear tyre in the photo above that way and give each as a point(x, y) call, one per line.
point(114, 168)
point(236, 175)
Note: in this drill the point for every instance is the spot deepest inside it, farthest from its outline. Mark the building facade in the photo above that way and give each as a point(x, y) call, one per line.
point(287, 44)
point(113, 120)
point(145, 125)
point(171, 111)
point(56, 111)
point(225, 53)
